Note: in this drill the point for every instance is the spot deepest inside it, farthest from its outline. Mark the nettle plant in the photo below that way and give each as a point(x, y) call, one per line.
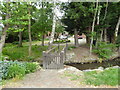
point(104, 50)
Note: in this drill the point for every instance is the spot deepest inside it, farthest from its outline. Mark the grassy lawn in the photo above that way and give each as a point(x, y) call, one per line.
point(35, 43)
point(21, 53)
point(107, 77)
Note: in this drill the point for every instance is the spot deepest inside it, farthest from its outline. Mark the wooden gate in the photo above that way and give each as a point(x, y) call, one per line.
point(54, 58)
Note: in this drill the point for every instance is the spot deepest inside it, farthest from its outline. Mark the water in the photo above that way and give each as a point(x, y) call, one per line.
point(95, 65)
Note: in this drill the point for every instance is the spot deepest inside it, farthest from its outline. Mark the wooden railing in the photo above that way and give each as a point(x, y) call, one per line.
point(54, 58)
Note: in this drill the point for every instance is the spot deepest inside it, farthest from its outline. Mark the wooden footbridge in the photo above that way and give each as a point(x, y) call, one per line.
point(55, 57)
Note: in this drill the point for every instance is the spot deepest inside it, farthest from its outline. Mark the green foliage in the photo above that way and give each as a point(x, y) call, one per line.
point(107, 77)
point(30, 67)
point(21, 53)
point(61, 41)
point(71, 47)
point(15, 71)
point(104, 50)
point(15, 42)
point(118, 40)
point(3, 57)
point(4, 66)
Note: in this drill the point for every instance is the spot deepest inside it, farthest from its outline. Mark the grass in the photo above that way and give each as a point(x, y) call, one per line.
point(107, 77)
point(72, 76)
point(21, 53)
point(35, 43)
point(71, 47)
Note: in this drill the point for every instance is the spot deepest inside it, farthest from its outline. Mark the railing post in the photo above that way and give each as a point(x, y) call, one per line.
point(49, 45)
point(62, 59)
point(44, 59)
point(66, 50)
point(58, 47)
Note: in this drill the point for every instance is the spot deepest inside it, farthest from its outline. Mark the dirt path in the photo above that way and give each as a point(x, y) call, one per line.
point(81, 54)
point(43, 79)
point(49, 79)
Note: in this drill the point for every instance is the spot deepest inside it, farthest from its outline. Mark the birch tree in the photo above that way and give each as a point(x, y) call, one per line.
point(93, 25)
point(105, 31)
point(98, 22)
point(117, 28)
point(54, 24)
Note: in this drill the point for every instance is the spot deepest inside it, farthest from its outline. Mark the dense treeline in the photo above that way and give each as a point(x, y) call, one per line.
point(99, 21)
point(28, 21)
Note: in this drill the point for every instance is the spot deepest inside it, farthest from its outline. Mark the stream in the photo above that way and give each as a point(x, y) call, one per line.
point(96, 64)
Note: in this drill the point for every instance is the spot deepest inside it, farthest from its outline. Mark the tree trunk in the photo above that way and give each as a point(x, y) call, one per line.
point(101, 36)
point(3, 36)
point(88, 37)
point(29, 33)
point(76, 38)
point(105, 35)
point(117, 28)
point(93, 25)
point(98, 16)
point(20, 39)
point(98, 22)
point(43, 40)
point(53, 25)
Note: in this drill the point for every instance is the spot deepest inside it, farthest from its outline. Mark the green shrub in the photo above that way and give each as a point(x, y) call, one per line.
point(15, 42)
point(104, 50)
point(118, 41)
point(31, 67)
point(11, 69)
point(15, 71)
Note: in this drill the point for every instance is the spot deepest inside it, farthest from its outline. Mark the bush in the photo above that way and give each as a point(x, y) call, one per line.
point(15, 71)
point(11, 69)
point(4, 65)
point(104, 50)
point(31, 67)
point(15, 42)
point(118, 41)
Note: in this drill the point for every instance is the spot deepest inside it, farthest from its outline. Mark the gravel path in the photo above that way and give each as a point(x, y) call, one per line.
point(49, 79)
point(43, 79)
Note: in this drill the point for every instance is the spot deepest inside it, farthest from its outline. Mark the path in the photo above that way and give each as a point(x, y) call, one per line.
point(43, 79)
point(81, 54)
point(49, 79)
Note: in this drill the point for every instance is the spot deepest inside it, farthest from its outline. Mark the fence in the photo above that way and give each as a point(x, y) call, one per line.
point(54, 58)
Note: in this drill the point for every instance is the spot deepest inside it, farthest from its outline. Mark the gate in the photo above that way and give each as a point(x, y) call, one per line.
point(54, 58)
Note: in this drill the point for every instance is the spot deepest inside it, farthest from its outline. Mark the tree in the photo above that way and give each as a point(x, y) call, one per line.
point(54, 24)
point(6, 26)
point(29, 30)
point(43, 20)
point(117, 28)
